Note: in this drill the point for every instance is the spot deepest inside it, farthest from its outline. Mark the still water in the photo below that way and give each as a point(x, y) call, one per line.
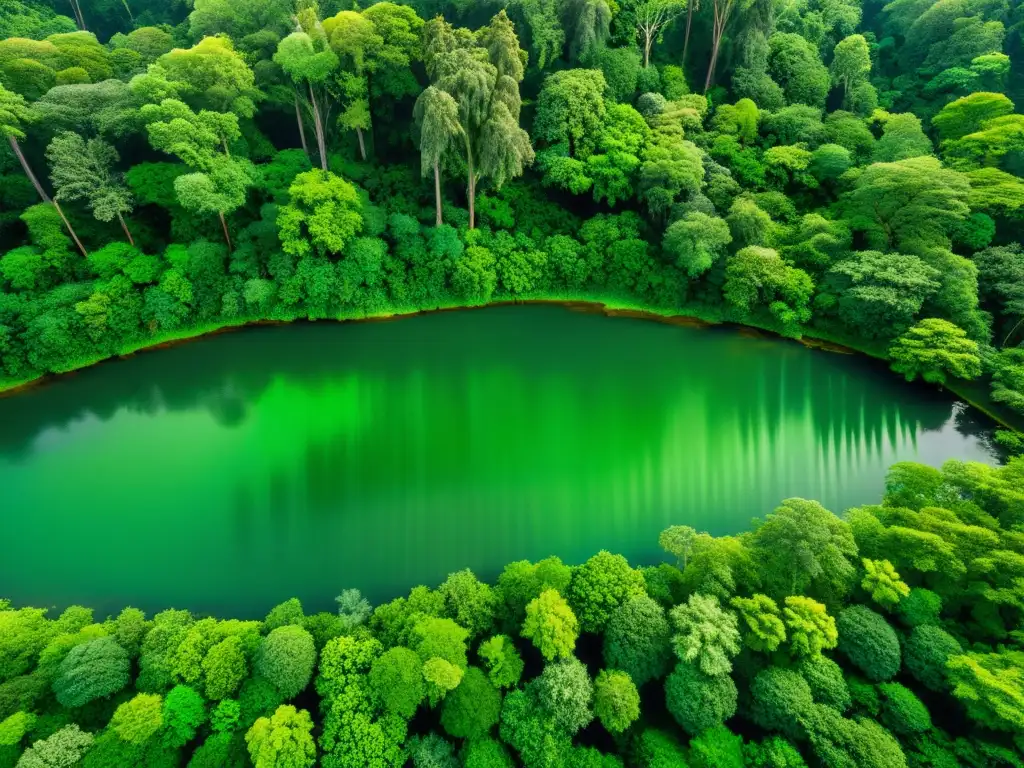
point(234, 472)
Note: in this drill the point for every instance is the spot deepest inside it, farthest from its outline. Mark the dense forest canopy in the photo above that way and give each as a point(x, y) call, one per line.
point(807, 166)
point(889, 638)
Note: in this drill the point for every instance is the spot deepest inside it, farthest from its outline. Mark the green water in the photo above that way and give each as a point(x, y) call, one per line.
point(231, 473)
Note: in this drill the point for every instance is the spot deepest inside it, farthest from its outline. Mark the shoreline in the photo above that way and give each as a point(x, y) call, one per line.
point(595, 306)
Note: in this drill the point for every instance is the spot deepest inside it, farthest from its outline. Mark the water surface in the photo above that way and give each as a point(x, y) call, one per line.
point(231, 473)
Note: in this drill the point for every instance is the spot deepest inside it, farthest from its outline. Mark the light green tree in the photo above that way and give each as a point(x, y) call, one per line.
point(551, 625)
point(934, 349)
point(883, 583)
point(283, 740)
point(705, 634)
point(84, 170)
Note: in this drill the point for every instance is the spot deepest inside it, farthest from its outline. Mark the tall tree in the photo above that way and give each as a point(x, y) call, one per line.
point(219, 181)
point(437, 115)
point(312, 63)
point(84, 170)
point(485, 85)
point(652, 16)
point(722, 11)
point(14, 113)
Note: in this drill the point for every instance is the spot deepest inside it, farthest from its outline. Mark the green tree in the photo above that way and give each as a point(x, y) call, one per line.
point(991, 688)
point(93, 670)
point(504, 664)
point(697, 241)
point(486, 89)
point(757, 275)
point(705, 634)
point(396, 681)
point(883, 583)
point(698, 701)
point(908, 206)
point(652, 17)
point(310, 61)
point(286, 659)
point(565, 692)
point(184, 712)
point(472, 709)
point(879, 294)
point(219, 182)
point(869, 642)
point(804, 548)
point(761, 622)
point(437, 116)
point(323, 215)
point(968, 114)
point(82, 170)
point(795, 65)
point(637, 640)
point(65, 747)
point(283, 740)
point(14, 115)
point(616, 700)
point(139, 719)
point(934, 349)
point(551, 625)
point(225, 667)
point(811, 629)
point(851, 66)
point(779, 698)
point(902, 712)
point(469, 601)
point(599, 586)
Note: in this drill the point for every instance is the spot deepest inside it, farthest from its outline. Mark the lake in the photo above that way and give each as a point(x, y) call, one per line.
point(231, 473)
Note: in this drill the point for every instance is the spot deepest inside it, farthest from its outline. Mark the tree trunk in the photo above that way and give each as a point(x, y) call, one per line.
point(648, 42)
point(67, 224)
point(298, 119)
point(362, 144)
point(319, 126)
point(124, 226)
point(28, 170)
point(437, 194)
point(79, 19)
point(224, 142)
point(16, 148)
point(224, 224)
point(714, 59)
point(1012, 331)
point(686, 37)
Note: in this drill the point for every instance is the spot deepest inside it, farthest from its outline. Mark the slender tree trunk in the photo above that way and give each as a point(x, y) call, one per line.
point(298, 119)
point(362, 144)
point(74, 235)
point(224, 224)
point(471, 186)
point(648, 42)
point(124, 226)
point(722, 9)
point(319, 126)
point(16, 148)
point(1012, 331)
point(224, 142)
point(437, 193)
point(686, 37)
point(79, 19)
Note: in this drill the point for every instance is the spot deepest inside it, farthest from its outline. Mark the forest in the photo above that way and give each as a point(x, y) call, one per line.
point(888, 638)
point(824, 168)
point(843, 171)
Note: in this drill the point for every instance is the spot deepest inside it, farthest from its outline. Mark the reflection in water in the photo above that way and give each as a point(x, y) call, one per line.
point(232, 473)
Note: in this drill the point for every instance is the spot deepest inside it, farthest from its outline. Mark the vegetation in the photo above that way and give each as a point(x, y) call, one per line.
point(893, 640)
point(817, 168)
